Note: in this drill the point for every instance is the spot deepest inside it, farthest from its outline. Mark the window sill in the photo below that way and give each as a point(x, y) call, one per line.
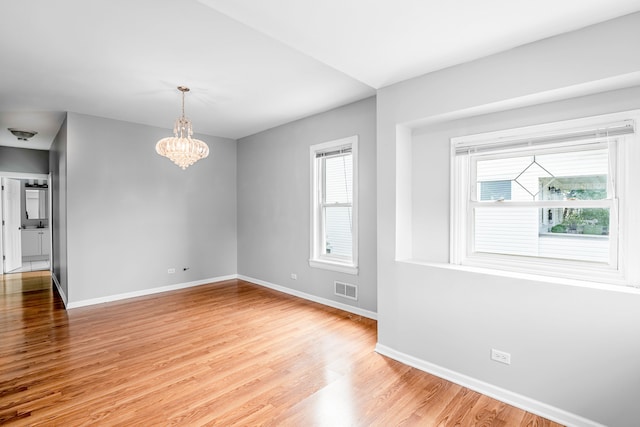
point(334, 266)
point(629, 289)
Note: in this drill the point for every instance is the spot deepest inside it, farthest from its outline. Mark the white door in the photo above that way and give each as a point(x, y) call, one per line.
point(12, 240)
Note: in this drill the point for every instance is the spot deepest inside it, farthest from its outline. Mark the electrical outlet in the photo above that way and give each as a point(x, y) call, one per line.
point(171, 270)
point(501, 356)
point(294, 276)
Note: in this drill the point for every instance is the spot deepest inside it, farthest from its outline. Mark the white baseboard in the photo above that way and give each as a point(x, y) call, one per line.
point(60, 290)
point(150, 291)
point(506, 396)
point(346, 307)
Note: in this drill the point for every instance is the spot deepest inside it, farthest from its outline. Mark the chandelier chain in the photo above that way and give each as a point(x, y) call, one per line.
point(183, 104)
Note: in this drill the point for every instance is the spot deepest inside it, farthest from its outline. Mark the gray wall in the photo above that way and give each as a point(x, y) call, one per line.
point(13, 159)
point(58, 225)
point(132, 214)
point(574, 348)
point(274, 203)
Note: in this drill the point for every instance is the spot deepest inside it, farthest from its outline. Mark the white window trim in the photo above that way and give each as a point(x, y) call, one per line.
point(627, 156)
point(316, 258)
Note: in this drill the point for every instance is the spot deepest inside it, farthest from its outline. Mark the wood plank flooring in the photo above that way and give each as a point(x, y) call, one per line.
point(228, 353)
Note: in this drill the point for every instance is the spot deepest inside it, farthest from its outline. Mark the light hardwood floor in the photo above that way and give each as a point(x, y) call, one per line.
point(229, 353)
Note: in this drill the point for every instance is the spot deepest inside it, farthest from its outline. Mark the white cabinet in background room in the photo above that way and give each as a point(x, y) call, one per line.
point(35, 242)
point(46, 242)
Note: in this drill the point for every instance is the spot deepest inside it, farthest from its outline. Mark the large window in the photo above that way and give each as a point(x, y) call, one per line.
point(334, 205)
point(549, 199)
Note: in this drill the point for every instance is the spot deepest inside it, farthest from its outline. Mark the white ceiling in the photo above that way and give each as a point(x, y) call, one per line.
point(251, 64)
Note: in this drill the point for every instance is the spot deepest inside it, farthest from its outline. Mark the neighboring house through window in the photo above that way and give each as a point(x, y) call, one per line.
point(550, 199)
point(334, 243)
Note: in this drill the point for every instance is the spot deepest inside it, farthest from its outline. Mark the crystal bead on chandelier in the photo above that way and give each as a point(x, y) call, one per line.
point(181, 149)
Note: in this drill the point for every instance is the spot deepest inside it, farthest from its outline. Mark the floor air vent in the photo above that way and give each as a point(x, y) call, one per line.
point(346, 290)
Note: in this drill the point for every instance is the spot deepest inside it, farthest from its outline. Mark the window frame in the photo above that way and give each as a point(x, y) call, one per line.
point(464, 200)
point(318, 257)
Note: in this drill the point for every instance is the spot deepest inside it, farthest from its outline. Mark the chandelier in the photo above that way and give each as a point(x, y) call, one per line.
point(181, 149)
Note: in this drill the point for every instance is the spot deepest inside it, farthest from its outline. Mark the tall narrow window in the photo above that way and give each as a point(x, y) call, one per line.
point(550, 199)
point(334, 205)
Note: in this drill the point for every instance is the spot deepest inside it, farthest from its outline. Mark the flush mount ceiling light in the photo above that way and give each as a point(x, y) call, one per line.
point(22, 135)
point(181, 149)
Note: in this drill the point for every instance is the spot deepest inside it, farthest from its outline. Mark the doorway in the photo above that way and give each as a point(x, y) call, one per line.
point(25, 235)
